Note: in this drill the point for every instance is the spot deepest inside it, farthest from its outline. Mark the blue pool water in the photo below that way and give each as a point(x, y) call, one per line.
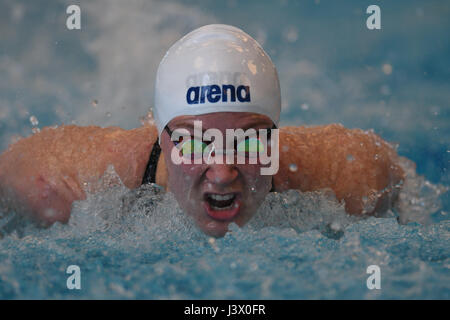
point(137, 244)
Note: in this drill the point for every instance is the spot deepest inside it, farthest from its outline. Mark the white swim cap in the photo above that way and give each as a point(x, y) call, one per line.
point(216, 68)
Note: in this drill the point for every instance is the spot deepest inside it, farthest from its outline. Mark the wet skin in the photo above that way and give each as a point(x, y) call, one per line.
point(192, 183)
point(41, 175)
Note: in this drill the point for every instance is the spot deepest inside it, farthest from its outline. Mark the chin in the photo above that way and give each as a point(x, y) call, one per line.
point(214, 229)
point(211, 227)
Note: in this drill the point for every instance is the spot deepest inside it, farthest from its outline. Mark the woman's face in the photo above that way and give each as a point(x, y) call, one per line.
point(213, 194)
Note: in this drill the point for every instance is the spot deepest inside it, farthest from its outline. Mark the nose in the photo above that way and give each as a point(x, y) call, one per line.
point(222, 174)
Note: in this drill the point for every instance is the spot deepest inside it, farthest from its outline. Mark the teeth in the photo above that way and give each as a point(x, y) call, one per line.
point(219, 197)
point(219, 208)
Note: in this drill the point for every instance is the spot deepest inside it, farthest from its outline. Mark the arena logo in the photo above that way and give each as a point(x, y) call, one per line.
point(241, 147)
point(214, 93)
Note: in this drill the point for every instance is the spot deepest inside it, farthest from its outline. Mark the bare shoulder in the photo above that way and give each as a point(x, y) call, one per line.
point(52, 168)
point(354, 163)
point(83, 149)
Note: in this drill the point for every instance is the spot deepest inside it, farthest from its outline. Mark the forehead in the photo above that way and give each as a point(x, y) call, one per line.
point(223, 120)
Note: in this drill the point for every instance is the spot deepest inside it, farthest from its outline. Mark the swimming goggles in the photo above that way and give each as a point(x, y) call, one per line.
point(193, 148)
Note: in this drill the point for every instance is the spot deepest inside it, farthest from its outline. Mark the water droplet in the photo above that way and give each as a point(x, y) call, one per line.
point(254, 266)
point(291, 35)
point(435, 110)
point(387, 68)
point(350, 158)
point(336, 226)
point(293, 167)
point(49, 213)
point(305, 106)
point(34, 121)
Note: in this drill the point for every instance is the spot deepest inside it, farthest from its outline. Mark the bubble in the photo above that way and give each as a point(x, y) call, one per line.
point(108, 114)
point(293, 167)
point(291, 35)
point(50, 213)
point(335, 225)
point(148, 118)
point(387, 68)
point(34, 121)
point(304, 106)
point(139, 244)
point(435, 110)
point(254, 266)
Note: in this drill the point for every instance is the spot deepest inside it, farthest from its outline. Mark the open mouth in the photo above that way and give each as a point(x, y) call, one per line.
point(222, 206)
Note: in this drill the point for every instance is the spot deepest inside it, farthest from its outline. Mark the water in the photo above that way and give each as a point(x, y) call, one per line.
point(138, 244)
point(332, 69)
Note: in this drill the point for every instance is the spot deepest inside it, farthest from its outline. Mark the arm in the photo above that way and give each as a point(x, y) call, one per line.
point(40, 176)
point(360, 167)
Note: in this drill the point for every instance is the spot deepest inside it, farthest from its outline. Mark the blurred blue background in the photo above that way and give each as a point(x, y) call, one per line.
point(331, 67)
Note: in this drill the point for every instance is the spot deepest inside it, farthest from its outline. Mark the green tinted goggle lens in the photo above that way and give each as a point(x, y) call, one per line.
point(250, 146)
point(193, 148)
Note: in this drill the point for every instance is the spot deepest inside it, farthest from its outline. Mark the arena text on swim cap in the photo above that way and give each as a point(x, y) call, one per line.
point(214, 93)
point(214, 138)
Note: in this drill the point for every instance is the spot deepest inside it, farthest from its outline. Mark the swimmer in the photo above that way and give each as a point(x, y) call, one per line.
point(220, 77)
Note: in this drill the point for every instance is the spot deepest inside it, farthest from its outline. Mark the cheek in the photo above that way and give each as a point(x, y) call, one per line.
point(182, 178)
point(256, 182)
